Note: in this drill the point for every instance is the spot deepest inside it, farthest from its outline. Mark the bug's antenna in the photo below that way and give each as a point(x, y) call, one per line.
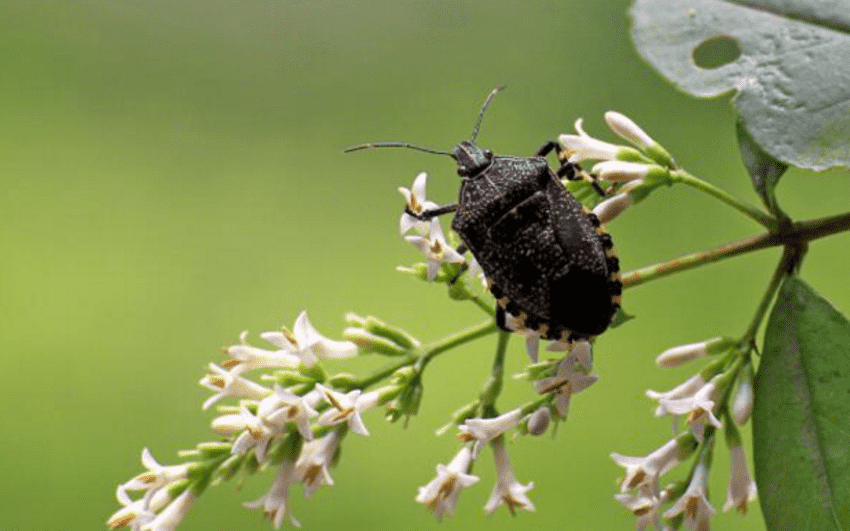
point(481, 112)
point(396, 144)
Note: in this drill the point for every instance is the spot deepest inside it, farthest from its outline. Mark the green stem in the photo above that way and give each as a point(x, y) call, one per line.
point(381, 374)
point(681, 176)
point(487, 308)
point(493, 387)
point(779, 275)
point(465, 336)
point(796, 235)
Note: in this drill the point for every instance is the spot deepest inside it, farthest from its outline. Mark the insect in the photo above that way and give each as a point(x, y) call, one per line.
point(546, 258)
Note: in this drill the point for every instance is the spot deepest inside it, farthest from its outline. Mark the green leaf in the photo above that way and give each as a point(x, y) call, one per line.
point(764, 170)
point(786, 60)
point(801, 420)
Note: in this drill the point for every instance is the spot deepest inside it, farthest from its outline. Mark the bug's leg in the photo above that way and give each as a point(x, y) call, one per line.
point(426, 215)
point(569, 170)
point(500, 318)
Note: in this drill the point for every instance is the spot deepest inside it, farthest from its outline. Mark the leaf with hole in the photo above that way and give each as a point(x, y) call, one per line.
point(801, 419)
point(786, 61)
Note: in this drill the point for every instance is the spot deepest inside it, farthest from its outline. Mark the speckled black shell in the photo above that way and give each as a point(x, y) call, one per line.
point(547, 260)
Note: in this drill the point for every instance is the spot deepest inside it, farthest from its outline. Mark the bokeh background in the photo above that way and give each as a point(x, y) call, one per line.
point(171, 173)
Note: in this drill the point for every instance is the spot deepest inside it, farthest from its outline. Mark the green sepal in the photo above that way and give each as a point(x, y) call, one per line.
point(369, 343)
point(209, 450)
point(227, 469)
point(660, 155)
point(343, 380)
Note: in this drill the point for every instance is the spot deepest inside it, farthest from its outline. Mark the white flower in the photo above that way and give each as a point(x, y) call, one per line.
point(626, 129)
point(621, 170)
point(312, 467)
point(230, 424)
point(673, 357)
point(244, 357)
point(275, 502)
point(698, 408)
point(507, 490)
point(742, 404)
point(532, 337)
point(137, 513)
point(484, 430)
point(283, 407)
point(645, 506)
point(582, 146)
point(435, 248)
point(416, 203)
point(440, 495)
point(686, 389)
point(226, 384)
point(257, 435)
point(694, 502)
point(645, 471)
point(308, 344)
point(742, 489)
point(538, 422)
point(171, 516)
point(571, 377)
point(612, 207)
point(347, 408)
point(157, 475)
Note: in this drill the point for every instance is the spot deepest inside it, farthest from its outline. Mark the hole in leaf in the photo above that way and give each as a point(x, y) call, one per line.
point(716, 52)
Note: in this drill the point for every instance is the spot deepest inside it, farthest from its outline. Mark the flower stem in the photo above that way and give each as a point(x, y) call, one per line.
point(790, 258)
point(681, 176)
point(796, 235)
point(465, 336)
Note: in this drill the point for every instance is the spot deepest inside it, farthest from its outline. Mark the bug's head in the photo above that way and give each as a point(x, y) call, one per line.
point(471, 159)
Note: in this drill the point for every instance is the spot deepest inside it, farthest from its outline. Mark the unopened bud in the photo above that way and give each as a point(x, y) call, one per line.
point(539, 421)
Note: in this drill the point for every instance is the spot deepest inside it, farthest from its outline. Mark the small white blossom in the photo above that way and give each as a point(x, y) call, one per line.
point(137, 513)
point(698, 408)
point(156, 476)
point(257, 436)
point(226, 385)
point(539, 421)
point(171, 516)
point(694, 502)
point(484, 430)
point(244, 357)
point(582, 146)
point(283, 407)
point(612, 207)
point(436, 249)
point(679, 355)
point(308, 344)
point(275, 502)
point(645, 471)
point(621, 170)
point(416, 203)
point(626, 129)
point(440, 495)
point(742, 490)
point(686, 389)
point(508, 490)
point(312, 467)
point(645, 506)
point(742, 404)
point(532, 337)
point(230, 424)
point(347, 408)
point(570, 378)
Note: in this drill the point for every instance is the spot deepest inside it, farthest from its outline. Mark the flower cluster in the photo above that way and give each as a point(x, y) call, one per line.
point(702, 400)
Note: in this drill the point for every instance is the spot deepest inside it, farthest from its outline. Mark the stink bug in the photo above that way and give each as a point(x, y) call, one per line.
point(547, 260)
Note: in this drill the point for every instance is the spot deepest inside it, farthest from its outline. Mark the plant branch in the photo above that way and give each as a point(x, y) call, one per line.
point(795, 235)
point(745, 208)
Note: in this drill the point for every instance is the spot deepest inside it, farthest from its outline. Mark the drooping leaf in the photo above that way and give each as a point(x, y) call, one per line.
point(786, 60)
point(764, 170)
point(801, 420)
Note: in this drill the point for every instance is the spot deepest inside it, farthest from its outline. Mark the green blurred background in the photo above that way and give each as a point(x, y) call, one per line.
point(171, 173)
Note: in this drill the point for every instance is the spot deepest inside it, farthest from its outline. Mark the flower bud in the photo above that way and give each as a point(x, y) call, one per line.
point(682, 354)
point(742, 405)
point(609, 209)
point(539, 421)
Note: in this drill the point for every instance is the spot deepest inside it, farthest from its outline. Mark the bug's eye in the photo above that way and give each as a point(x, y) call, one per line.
point(488, 153)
